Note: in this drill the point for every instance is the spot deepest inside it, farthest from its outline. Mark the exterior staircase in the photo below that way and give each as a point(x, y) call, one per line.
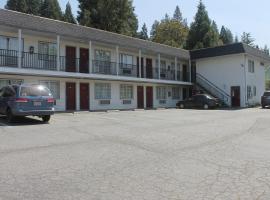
point(205, 86)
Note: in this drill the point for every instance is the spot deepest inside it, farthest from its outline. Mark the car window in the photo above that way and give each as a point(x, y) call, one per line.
point(267, 94)
point(34, 91)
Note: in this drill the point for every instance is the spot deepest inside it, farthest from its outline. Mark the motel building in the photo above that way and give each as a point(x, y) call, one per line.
point(91, 69)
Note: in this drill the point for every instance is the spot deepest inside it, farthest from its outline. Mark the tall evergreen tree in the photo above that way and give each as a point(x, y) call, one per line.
point(33, 6)
point(154, 29)
point(226, 35)
point(17, 5)
point(200, 29)
point(236, 40)
point(68, 16)
point(177, 14)
point(247, 39)
point(144, 33)
point(111, 15)
point(51, 9)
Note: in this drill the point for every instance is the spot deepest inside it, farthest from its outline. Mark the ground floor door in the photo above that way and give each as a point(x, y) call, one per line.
point(84, 96)
point(149, 97)
point(140, 97)
point(235, 95)
point(84, 60)
point(71, 96)
point(70, 59)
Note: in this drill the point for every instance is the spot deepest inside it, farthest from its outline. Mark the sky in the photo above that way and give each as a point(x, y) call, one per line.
point(238, 15)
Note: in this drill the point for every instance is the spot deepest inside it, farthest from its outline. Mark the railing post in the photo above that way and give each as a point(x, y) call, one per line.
point(90, 57)
point(159, 64)
point(77, 59)
point(117, 60)
point(175, 67)
point(19, 48)
point(140, 63)
point(58, 53)
point(189, 64)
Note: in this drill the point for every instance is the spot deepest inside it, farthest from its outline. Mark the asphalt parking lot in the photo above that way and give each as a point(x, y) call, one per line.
point(163, 154)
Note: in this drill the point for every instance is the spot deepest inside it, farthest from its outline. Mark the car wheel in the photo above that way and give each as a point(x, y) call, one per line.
point(46, 118)
point(263, 106)
point(10, 116)
point(182, 106)
point(206, 107)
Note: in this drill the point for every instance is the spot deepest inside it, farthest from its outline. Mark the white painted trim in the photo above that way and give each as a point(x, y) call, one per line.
point(58, 53)
point(19, 48)
point(90, 57)
point(159, 66)
point(175, 68)
point(140, 63)
point(117, 60)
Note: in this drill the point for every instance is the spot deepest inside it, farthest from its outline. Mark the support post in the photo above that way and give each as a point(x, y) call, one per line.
point(78, 96)
point(159, 65)
point(77, 59)
point(58, 53)
point(117, 60)
point(140, 63)
point(20, 48)
point(189, 63)
point(175, 67)
point(90, 58)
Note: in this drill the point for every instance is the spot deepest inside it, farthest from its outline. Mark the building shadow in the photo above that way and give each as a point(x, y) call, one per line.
point(21, 121)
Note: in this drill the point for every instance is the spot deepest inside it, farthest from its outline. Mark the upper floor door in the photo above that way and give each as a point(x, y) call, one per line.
point(149, 68)
point(84, 60)
point(70, 59)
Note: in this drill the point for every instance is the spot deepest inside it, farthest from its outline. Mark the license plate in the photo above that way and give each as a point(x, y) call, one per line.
point(37, 103)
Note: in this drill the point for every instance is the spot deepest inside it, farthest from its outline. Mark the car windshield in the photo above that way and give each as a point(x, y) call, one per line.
point(267, 94)
point(34, 91)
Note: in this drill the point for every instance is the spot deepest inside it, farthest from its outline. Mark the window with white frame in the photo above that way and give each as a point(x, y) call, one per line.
point(161, 92)
point(102, 55)
point(6, 82)
point(10, 43)
point(102, 91)
point(175, 93)
point(54, 87)
point(249, 92)
point(126, 92)
point(251, 66)
point(126, 59)
point(47, 50)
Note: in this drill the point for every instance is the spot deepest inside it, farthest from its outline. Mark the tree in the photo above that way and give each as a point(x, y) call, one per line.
point(51, 9)
point(177, 14)
point(247, 39)
point(17, 5)
point(170, 32)
point(212, 36)
point(236, 40)
point(226, 35)
point(266, 49)
point(68, 16)
point(144, 33)
point(33, 6)
point(200, 29)
point(111, 15)
point(154, 29)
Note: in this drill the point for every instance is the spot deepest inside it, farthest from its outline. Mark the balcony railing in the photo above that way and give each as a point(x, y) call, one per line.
point(9, 58)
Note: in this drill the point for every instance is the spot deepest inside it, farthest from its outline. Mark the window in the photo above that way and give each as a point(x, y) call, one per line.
point(47, 50)
point(249, 92)
point(254, 91)
point(102, 91)
point(126, 92)
point(6, 82)
point(251, 66)
point(161, 93)
point(9, 43)
point(103, 55)
point(176, 93)
point(126, 59)
point(54, 87)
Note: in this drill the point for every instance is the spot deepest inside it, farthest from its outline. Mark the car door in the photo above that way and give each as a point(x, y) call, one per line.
point(196, 101)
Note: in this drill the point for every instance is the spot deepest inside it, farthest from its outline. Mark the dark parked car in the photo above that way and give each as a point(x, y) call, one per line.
point(265, 99)
point(199, 101)
point(26, 100)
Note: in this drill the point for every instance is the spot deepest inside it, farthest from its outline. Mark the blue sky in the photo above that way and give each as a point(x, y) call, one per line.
point(238, 15)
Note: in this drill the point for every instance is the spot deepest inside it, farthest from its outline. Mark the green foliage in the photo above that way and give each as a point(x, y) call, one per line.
point(144, 33)
point(111, 15)
point(51, 9)
point(236, 40)
point(226, 35)
point(266, 49)
point(177, 14)
point(247, 39)
point(17, 5)
point(68, 16)
point(154, 30)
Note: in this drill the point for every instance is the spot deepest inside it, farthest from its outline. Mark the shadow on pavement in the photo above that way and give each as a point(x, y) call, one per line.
point(20, 121)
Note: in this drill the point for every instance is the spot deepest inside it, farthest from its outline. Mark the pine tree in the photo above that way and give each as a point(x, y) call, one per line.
point(154, 29)
point(266, 49)
point(51, 9)
point(33, 6)
point(236, 40)
point(17, 5)
point(200, 29)
point(68, 16)
point(144, 33)
point(247, 39)
point(177, 14)
point(226, 35)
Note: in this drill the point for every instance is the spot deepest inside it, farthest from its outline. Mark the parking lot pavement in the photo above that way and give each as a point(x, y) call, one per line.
point(163, 154)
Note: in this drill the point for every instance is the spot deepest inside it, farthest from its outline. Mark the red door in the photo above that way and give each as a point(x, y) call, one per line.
point(149, 97)
point(70, 59)
point(70, 96)
point(235, 95)
point(84, 60)
point(138, 71)
point(149, 68)
point(140, 97)
point(84, 96)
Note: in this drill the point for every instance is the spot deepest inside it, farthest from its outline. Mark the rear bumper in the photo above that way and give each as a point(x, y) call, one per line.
point(266, 102)
point(32, 112)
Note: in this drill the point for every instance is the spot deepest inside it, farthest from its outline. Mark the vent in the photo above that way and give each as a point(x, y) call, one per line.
point(162, 101)
point(126, 102)
point(104, 102)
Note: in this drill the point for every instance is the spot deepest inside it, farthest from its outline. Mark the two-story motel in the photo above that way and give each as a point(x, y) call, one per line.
point(90, 69)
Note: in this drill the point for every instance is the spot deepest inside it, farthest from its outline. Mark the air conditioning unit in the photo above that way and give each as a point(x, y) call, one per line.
point(104, 102)
point(126, 102)
point(162, 101)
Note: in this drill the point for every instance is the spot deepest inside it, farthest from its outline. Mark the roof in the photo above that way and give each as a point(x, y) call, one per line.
point(41, 24)
point(236, 48)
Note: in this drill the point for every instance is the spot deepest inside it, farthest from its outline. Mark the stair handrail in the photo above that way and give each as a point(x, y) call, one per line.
point(213, 85)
